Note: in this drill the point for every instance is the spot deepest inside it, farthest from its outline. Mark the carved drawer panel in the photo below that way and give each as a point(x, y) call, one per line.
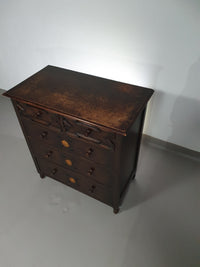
point(40, 135)
point(38, 115)
point(75, 128)
point(76, 181)
point(88, 132)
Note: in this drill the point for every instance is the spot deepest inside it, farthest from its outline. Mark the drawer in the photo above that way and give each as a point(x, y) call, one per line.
point(38, 115)
point(40, 135)
point(76, 163)
point(76, 181)
point(75, 128)
point(88, 132)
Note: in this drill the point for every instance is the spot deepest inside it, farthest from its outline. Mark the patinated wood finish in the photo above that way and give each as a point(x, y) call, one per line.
point(82, 130)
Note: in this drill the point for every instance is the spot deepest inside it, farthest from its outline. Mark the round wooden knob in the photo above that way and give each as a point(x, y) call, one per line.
point(91, 170)
point(89, 152)
point(92, 188)
point(49, 154)
point(44, 134)
point(54, 171)
point(38, 114)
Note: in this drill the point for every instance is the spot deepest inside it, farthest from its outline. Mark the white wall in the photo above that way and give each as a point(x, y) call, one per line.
point(154, 43)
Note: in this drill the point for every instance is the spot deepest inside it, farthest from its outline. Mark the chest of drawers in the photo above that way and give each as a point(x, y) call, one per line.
point(82, 130)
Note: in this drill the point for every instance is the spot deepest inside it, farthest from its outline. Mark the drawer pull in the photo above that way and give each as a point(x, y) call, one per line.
point(49, 154)
point(91, 170)
point(65, 143)
point(69, 162)
point(72, 180)
point(89, 152)
point(44, 134)
point(92, 188)
point(96, 141)
point(54, 171)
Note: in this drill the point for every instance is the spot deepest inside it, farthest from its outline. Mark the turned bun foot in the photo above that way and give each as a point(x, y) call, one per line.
point(42, 175)
point(133, 177)
point(116, 210)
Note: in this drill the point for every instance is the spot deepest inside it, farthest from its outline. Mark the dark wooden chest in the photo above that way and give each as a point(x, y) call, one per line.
point(82, 130)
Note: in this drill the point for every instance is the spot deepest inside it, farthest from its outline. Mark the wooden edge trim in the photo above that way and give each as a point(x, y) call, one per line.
point(106, 128)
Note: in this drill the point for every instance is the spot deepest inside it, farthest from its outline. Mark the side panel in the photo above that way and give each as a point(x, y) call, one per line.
point(130, 151)
point(26, 137)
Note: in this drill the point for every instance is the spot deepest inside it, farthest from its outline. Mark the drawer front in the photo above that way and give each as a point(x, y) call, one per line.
point(75, 128)
point(76, 163)
point(88, 132)
point(38, 115)
point(76, 181)
point(40, 135)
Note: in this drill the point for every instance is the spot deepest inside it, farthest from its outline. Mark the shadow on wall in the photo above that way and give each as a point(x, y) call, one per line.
point(155, 102)
point(185, 130)
point(185, 116)
point(161, 232)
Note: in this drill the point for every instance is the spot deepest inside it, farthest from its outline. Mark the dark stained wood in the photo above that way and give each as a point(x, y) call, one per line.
point(83, 131)
point(26, 138)
point(82, 184)
point(130, 148)
point(102, 173)
point(101, 101)
point(40, 135)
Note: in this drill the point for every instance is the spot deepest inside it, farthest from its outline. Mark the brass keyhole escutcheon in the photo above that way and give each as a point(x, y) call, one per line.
point(65, 143)
point(69, 162)
point(72, 180)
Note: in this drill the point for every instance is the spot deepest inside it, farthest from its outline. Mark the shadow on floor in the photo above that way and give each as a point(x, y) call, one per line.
point(158, 172)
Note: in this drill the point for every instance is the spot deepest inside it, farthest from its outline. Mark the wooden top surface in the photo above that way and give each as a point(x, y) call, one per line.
point(100, 101)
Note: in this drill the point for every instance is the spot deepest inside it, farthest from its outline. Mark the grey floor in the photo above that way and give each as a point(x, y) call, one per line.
point(46, 224)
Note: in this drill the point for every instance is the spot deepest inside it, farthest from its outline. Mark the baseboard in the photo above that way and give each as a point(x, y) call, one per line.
point(172, 147)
